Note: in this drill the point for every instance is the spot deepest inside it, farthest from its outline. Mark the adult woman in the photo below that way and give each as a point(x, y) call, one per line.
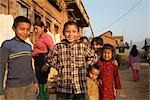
point(134, 62)
point(41, 47)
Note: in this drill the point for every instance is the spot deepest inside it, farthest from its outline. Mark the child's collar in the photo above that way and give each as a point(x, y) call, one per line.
point(16, 38)
point(65, 41)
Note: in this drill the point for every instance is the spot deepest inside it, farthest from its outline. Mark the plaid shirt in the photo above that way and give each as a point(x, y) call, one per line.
point(71, 61)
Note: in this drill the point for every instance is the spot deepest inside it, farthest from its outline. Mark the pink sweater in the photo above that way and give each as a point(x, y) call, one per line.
point(43, 43)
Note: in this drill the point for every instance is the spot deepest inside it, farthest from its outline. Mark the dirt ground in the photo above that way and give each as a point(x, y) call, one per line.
point(139, 90)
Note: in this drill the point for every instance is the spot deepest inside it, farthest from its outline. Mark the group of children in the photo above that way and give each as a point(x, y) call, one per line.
point(104, 73)
point(86, 72)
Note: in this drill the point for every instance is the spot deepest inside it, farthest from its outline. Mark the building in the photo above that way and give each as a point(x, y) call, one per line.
point(117, 41)
point(122, 48)
point(54, 13)
point(108, 38)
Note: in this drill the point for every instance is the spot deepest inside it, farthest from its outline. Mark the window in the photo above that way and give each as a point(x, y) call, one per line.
point(23, 10)
point(56, 29)
point(48, 25)
point(121, 50)
point(37, 17)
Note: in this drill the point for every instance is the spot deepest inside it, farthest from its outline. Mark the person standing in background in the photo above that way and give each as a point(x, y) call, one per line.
point(134, 62)
point(42, 46)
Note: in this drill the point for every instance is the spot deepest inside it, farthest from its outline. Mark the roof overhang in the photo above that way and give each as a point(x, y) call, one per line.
point(77, 11)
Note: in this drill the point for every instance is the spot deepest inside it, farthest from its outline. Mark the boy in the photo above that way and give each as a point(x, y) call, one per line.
point(93, 83)
point(71, 64)
point(21, 80)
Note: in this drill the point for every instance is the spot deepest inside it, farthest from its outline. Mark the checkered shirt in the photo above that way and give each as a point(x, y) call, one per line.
point(71, 61)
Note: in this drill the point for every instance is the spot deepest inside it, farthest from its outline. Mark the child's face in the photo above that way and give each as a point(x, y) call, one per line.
point(96, 46)
point(71, 33)
point(22, 30)
point(107, 54)
point(85, 41)
point(93, 74)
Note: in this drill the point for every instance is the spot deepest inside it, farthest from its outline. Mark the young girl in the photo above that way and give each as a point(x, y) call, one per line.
point(93, 91)
point(109, 74)
point(134, 63)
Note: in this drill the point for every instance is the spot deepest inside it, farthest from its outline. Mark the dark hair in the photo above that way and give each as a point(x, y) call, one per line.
point(98, 40)
point(20, 19)
point(84, 37)
point(70, 23)
point(40, 24)
point(96, 66)
point(110, 47)
point(134, 51)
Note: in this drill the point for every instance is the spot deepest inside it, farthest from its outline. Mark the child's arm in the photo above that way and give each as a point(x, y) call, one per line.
point(116, 78)
point(115, 62)
point(91, 56)
point(51, 59)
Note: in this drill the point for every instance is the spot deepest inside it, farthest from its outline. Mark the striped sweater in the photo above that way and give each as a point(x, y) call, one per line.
point(17, 54)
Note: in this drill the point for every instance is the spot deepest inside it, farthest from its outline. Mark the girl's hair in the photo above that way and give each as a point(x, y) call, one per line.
point(20, 19)
point(70, 23)
point(40, 24)
point(110, 47)
point(134, 51)
point(98, 40)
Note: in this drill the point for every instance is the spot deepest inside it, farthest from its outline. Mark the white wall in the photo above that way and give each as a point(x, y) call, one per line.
point(6, 32)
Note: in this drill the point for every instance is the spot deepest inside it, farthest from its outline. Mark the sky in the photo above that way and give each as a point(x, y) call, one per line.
point(128, 18)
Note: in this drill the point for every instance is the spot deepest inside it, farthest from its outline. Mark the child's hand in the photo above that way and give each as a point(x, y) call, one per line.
point(115, 62)
point(100, 81)
point(118, 92)
point(36, 88)
point(45, 67)
point(2, 97)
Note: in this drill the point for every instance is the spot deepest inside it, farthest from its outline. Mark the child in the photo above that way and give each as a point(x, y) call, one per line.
point(109, 74)
point(21, 80)
point(71, 64)
point(134, 62)
point(97, 44)
point(93, 91)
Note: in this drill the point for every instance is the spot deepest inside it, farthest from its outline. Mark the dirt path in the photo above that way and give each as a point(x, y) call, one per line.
point(139, 90)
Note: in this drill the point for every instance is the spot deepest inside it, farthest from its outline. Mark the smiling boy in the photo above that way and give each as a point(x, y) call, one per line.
point(71, 64)
point(21, 80)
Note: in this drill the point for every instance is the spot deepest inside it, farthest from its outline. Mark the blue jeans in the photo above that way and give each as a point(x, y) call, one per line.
point(67, 96)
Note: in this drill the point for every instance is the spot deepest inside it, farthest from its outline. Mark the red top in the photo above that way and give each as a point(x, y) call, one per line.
point(43, 43)
point(110, 78)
